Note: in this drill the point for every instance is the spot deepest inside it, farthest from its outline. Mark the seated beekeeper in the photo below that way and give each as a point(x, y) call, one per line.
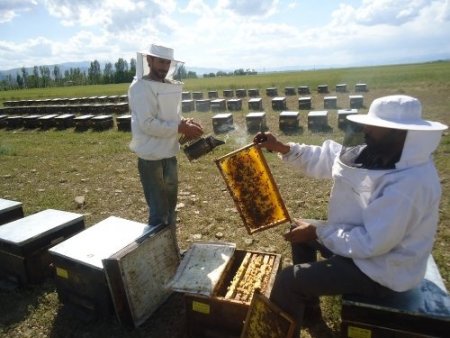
point(382, 213)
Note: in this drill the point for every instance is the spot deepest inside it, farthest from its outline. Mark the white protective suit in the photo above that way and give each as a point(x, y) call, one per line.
point(385, 220)
point(155, 113)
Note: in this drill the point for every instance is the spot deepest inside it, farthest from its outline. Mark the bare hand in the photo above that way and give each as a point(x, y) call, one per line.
point(301, 232)
point(190, 129)
point(270, 142)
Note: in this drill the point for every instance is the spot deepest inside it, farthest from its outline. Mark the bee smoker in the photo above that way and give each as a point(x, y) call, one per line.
point(201, 146)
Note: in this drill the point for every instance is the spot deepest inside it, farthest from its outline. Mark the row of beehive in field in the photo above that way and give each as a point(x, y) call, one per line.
point(288, 121)
point(271, 91)
point(80, 122)
point(256, 103)
point(67, 101)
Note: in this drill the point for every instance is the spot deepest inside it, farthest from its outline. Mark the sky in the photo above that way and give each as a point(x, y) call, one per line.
point(226, 34)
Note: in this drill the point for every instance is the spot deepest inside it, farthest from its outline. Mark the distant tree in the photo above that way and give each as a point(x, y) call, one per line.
point(108, 73)
point(132, 71)
point(221, 73)
point(94, 73)
point(35, 78)
point(76, 76)
point(57, 76)
point(191, 75)
point(121, 67)
point(180, 73)
point(19, 81)
point(24, 77)
point(45, 76)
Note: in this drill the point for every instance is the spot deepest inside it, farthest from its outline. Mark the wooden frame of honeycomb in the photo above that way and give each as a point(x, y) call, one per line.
point(265, 319)
point(253, 189)
point(254, 272)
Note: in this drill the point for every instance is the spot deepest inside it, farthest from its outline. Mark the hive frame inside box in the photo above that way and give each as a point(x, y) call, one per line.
point(247, 201)
point(215, 314)
point(264, 317)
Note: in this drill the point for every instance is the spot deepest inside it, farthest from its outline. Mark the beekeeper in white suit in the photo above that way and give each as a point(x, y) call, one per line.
point(154, 98)
point(382, 214)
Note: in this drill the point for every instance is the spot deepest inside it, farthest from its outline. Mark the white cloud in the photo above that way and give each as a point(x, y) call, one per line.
point(249, 8)
point(232, 34)
point(9, 9)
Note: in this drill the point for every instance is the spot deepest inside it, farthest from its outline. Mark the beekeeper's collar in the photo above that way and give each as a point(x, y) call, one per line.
point(142, 67)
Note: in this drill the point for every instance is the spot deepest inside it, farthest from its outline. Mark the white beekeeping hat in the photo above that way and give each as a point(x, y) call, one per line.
point(162, 52)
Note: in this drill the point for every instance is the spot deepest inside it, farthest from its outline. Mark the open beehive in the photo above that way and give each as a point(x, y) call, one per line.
point(253, 189)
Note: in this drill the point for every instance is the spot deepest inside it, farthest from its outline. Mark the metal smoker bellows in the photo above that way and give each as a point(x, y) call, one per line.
point(201, 146)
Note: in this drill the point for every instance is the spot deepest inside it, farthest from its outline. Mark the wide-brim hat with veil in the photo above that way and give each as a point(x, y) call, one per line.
point(397, 112)
point(162, 52)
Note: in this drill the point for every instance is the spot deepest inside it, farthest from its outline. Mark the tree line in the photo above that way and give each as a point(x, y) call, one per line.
point(53, 76)
point(119, 72)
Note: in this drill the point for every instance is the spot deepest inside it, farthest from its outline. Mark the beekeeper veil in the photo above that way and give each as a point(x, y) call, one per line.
point(399, 112)
point(142, 67)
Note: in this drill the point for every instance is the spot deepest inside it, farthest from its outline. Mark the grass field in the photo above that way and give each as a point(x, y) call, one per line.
point(48, 169)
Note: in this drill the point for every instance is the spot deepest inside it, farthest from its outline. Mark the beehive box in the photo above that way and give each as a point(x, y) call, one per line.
point(253, 92)
point(304, 102)
point(279, 103)
point(256, 121)
point(341, 88)
point(322, 89)
point(187, 105)
point(202, 105)
point(218, 105)
point(422, 312)
point(342, 120)
point(10, 210)
point(228, 93)
point(64, 121)
point(241, 92)
point(24, 243)
point(356, 101)
point(361, 87)
point(83, 122)
point(47, 121)
point(31, 121)
point(222, 123)
point(289, 120)
point(255, 103)
point(186, 96)
point(14, 121)
point(124, 122)
point(80, 278)
point(271, 91)
point(219, 282)
point(102, 122)
point(197, 95)
point(330, 102)
point(213, 94)
point(318, 120)
point(303, 90)
point(234, 104)
point(289, 91)
point(252, 188)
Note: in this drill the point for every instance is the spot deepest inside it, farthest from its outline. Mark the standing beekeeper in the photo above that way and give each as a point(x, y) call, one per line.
point(155, 102)
point(382, 213)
